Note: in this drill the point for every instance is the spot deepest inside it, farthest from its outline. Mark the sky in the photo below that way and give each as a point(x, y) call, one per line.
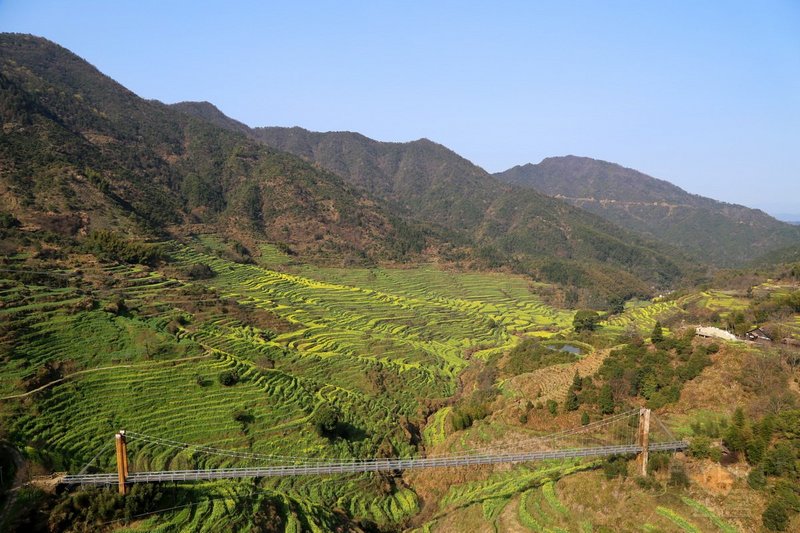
point(703, 94)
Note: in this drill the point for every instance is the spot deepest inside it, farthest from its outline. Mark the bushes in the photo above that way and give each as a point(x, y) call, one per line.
point(615, 466)
point(200, 271)
point(775, 516)
point(530, 355)
point(8, 221)
point(110, 246)
point(701, 448)
point(229, 378)
point(678, 477)
point(585, 320)
point(326, 421)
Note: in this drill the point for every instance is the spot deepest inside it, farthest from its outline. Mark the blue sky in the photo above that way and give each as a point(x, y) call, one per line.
point(703, 94)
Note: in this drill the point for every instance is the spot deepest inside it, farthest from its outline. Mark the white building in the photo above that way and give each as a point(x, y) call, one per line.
point(716, 333)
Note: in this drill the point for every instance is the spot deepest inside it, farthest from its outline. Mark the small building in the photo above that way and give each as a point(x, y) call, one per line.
point(715, 333)
point(757, 335)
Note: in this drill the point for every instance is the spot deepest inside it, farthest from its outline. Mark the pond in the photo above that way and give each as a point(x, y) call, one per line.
point(567, 348)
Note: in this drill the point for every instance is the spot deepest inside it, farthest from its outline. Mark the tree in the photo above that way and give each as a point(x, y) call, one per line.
point(577, 382)
point(658, 334)
point(775, 517)
point(229, 378)
point(756, 478)
point(326, 421)
point(606, 400)
point(585, 320)
point(572, 403)
point(552, 407)
point(584, 418)
point(678, 476)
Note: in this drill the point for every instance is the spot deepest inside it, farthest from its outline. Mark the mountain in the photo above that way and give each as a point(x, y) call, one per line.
point(510, 225)
point(420, 177)
point(80, 152)
point(717, 232)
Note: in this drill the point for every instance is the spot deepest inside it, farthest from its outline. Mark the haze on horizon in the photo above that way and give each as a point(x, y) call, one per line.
point(704, 96)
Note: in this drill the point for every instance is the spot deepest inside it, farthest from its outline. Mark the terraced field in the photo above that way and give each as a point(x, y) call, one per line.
point(143, 350)
point(540, 501)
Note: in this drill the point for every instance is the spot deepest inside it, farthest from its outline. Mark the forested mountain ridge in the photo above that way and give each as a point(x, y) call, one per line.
point(81, 152)
point(717, 232)
point(510, 225)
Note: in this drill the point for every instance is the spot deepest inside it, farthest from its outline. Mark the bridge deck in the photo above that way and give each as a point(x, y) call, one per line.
point(370, 465)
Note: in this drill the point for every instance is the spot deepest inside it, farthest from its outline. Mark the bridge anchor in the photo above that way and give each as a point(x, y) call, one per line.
point(643, 441)
point(122, 461)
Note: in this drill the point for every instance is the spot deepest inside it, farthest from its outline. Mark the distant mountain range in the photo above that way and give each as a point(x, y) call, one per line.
point(716, 232)
point(788, 218)
point(427, 182)
point(80, 152)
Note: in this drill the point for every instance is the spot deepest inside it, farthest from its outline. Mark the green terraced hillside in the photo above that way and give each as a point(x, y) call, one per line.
point(106, 347)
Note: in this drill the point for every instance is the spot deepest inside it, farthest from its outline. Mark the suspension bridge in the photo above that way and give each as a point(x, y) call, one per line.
point(635, 432)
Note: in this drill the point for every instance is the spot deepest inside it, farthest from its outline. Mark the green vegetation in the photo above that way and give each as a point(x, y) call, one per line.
point(286, 336)
point(110, 246)
point(654, 374)
point(265, 354)
point(531, 354)
point(678, 520)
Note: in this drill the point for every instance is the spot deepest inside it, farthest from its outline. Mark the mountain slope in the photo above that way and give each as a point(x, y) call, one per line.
point(724, 234)
point(511, 224)
point(81, 152)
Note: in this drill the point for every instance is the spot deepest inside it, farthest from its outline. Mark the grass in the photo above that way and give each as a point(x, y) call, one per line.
point(678, 520)
point(372, 343)
point(709, 514)
point(378, 345)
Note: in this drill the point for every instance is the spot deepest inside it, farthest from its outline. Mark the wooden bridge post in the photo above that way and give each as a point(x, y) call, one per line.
point(122, 460)
point(643, 441)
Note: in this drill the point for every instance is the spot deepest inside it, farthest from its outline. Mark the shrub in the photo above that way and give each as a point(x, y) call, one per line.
point(615, 466)
point(8, 221)
point(326, 421)
point(678, 477)
point(242, 416)
point(552, 407)
point(606, 400)
point(585, 320)
point(658, 461)
point(700, 447)
point(648, 483)
point(200, 271)
point(584, 418)
point(229, 378)
point(110, 246)
point(775, 516)
point(756, 479)
point(572, 403)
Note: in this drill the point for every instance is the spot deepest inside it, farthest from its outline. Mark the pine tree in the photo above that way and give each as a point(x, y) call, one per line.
point(577, 382)
point(658, 334)
point(606, 400)
point(572, 403)
point(584, 418)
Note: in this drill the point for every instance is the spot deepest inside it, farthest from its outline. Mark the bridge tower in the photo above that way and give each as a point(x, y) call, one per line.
point(122, 460)
point(643, 440)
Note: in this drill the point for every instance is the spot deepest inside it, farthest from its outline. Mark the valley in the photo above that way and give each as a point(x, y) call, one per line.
point(264, 297)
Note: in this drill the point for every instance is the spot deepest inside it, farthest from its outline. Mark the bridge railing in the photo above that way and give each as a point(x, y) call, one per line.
point(369, 465)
